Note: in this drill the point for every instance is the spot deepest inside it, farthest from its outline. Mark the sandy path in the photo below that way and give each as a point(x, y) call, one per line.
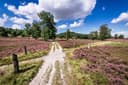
point(46, 76)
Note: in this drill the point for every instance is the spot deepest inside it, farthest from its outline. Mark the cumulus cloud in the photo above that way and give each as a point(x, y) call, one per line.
point(125, 33)
point(16, 26)
point(20, 21)
point(68, 9)
point(61, 9)
point(5, 5)
point(77, 24)
point(29, 11)
point(62, 26)
point(3, 19)
point(122, 17)
point(126, 24)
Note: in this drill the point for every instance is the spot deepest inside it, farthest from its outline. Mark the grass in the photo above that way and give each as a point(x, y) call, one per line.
point(23, 57)
point(78, 76)
point(27, 72)
point(6, 47)
point(99, 79)
point(57, 76)
point(120, 50)
point(118, 44)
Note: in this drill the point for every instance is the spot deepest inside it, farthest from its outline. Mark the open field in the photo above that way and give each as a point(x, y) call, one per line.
point(15, 45)
point(100, 65)
point(87, 63)
point(29, 64)
point(75, 43)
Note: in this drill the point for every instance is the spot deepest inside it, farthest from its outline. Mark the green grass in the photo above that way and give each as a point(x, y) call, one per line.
point(81, 77)
point(57, 76)
point(118, 44)
point(27, 72)
point(99, 79)
point(78, 76)
point(120, 50)
point(2, 48)
point(23, 57)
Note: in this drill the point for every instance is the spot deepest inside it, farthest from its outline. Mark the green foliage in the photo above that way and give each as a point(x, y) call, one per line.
point(47, 24)
point(116, 36)
point(105, 32)
point(2, 32)
point(27, 31)
point(8, 32)
point(73, 35)
point(36, 32)
point(121, 36)
point(68, 34)
point(93, 35)
point(45, 33)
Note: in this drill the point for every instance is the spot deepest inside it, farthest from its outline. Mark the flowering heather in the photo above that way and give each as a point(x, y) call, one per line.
point(73, 43)
point(101, 60)
point(15, 45)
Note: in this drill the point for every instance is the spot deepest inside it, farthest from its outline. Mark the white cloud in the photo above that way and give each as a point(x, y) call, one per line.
point(5, 5)
point(3, 19)
point(62, 26)
point(29, 11)
point(16, 26)
point(126, 24)
point(61, 9)
point(20, 21)
point(122, 17)
point(68, 9)
point(125, 33)
point(77, 24)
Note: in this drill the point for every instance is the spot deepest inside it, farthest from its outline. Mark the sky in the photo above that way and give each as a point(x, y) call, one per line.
point(81, 16)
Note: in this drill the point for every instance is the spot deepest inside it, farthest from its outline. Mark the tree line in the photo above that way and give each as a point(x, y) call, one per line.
point(103, 33)
point(45, 28)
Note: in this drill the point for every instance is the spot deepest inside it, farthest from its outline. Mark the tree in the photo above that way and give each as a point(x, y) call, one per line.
point(36, 30)
point(27, 30)
point(116, 36)
point(67, 34)
point(47, 24)
point(2, 32)
point(45, 33)
point(93, 35)
point(121, 36)
point(105, 32)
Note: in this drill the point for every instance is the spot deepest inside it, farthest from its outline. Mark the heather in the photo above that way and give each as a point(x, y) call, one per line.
point(74, 43)
point(16, 45)
point(102, 61)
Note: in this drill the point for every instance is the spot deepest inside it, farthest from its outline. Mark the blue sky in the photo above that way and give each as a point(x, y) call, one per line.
point(81, 16)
